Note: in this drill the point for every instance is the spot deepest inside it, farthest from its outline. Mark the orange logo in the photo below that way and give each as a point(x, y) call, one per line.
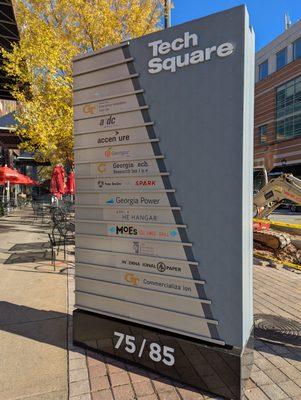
point(131, 278)
point(89, 109)
point(101, 168)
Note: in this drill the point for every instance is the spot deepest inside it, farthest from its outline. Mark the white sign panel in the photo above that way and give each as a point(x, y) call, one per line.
point(155, 282)
point(127, 152)
point(93, 78)
point(141, 167)
point(103, 91)
point(109, 122)
point(112, 138)
point(105, 107)
point(120, 183)
point(161, 266)
point(146, 231)
point(122, 199)
point(133, 246)
point(153, 215)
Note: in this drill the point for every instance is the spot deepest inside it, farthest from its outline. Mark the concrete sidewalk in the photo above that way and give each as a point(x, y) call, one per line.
point(39, 362)
point(276, 373)
point(33, 319)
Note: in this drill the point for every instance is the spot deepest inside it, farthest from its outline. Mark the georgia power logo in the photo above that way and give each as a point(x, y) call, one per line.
point(111, 201)
point(160, 48)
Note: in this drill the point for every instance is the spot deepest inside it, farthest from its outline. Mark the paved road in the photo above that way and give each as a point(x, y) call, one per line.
point(33, 320)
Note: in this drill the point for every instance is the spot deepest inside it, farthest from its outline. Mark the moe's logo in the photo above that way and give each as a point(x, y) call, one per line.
point(123, 230)
point(131, 278)
point(171, 64)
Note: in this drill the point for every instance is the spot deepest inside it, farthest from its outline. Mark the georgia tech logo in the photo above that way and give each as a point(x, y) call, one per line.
point(89, 109)
point(101, 168)
point(131, 278)
point(161, 267)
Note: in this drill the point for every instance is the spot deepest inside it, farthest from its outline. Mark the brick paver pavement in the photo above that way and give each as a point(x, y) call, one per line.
point(276, 373)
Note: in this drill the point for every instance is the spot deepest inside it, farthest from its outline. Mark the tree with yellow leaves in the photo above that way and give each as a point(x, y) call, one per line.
point(52, 32)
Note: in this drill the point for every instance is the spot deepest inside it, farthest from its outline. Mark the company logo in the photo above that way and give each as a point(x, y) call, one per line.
point(111, 201)
point(131, 278)
point(132, 216)
point(171, 64)
point(111, 120)
point(108, 152)
point(173, 233)
point(101, 168)
point(123, 230)
point(89, 109)
point(113, 153)
point(100, 184)
point(113, 138)
point(161, 267)
point(136, 247)
point(145, 182)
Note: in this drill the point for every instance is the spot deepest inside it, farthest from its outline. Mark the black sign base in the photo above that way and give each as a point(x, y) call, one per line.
point(216, 369)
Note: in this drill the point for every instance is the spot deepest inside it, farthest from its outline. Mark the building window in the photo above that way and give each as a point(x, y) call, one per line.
point(281, 58)
point(288, 110)
point(263, 70)
point(263, 133)
point(297, 49)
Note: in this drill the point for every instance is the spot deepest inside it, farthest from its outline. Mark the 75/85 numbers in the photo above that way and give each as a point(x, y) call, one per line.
point(156, 352)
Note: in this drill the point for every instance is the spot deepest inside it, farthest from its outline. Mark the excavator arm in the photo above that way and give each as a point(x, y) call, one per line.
point(285, 187)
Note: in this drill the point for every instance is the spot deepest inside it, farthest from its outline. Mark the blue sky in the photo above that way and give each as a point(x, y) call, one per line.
point(267, 16)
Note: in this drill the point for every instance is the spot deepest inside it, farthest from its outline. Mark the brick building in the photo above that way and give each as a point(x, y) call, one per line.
point(278, 104)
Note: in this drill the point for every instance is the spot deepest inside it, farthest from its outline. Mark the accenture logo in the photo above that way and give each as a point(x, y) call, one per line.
point(171, 64)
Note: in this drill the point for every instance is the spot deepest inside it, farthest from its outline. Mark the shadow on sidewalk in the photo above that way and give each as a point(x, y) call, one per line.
point(28, 322)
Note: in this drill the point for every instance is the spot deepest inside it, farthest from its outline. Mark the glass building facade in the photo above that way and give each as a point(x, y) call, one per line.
point(288, 110)
point(263, 70)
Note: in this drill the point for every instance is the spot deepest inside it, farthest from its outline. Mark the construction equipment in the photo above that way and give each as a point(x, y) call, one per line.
point(268, 196)
point(274, 193)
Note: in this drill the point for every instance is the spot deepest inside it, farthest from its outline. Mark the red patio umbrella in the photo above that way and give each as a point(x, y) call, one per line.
point(8, 174)
point(57, 183)
point(70, 187)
